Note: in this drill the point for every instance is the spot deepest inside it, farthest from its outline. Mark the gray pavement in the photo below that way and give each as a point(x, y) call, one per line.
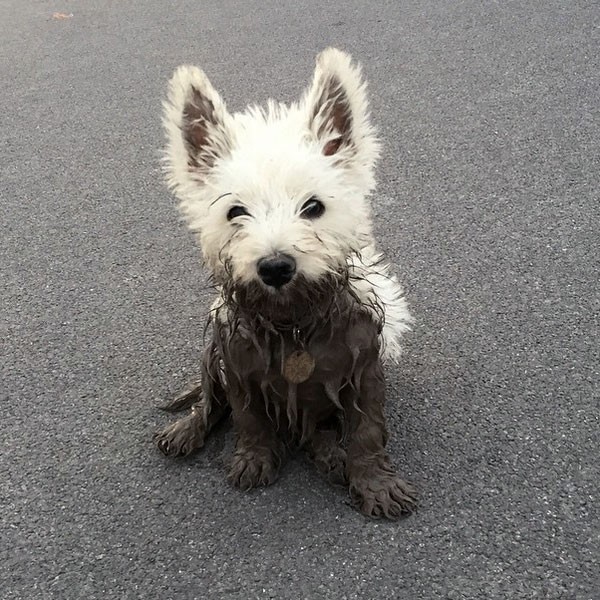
point(488, 205)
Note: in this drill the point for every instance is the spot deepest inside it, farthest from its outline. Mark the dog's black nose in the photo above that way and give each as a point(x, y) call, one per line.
point(276, 270)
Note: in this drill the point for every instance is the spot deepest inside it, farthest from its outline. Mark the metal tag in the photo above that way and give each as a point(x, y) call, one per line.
point(298, 366)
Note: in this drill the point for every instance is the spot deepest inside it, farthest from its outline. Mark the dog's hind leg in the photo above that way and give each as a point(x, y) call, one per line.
point(325, 451)
point(209, 405)
point(188, 434)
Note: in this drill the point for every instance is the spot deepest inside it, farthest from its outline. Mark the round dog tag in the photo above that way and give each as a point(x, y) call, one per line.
point(298, 366)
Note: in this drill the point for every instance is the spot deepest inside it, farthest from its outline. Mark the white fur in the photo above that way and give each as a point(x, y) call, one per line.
point(271, 161)
point(376, 285)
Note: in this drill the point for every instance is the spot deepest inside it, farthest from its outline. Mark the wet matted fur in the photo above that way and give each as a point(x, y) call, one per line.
point(300, 363)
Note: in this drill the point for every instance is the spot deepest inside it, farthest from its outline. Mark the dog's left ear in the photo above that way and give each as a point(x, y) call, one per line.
point(338, 111)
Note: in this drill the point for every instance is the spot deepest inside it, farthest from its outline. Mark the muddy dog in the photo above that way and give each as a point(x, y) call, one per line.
point(307, 311)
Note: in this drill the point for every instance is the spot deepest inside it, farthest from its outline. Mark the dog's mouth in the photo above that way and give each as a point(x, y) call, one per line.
point(290, 302)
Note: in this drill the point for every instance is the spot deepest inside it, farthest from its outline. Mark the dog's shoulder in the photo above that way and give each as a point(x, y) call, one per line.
point(380, 293)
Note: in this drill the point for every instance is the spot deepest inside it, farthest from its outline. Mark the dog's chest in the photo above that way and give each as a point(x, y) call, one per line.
point(325, 358)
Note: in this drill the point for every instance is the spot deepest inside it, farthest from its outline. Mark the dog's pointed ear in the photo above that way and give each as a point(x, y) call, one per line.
point(197, 125)
point(338, 110)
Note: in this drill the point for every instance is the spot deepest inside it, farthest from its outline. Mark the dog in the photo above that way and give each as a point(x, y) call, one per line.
point(306, 310)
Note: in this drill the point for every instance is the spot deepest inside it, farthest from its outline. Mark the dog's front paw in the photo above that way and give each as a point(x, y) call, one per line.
point(383, 494)
point(252, 467)
point(182, 437)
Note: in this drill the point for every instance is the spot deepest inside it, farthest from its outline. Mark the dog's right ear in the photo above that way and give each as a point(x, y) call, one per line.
point(198, 128)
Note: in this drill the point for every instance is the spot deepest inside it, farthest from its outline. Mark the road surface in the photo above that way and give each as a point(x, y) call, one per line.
point(488, 207)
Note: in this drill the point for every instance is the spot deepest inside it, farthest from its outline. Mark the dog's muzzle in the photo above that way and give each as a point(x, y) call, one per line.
point(277, 270)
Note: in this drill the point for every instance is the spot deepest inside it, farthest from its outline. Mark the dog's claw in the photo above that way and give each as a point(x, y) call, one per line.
point(384, 495)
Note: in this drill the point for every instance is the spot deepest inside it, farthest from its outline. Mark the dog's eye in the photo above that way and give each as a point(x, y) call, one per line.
point(313, 208)
point(236, 211)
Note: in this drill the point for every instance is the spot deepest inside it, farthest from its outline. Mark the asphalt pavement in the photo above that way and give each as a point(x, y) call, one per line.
point(488, 207)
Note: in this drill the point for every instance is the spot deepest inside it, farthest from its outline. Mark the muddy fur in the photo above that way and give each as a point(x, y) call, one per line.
point(336, 415)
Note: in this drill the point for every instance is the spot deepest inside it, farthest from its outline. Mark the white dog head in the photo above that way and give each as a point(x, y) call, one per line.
point(276, 195)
